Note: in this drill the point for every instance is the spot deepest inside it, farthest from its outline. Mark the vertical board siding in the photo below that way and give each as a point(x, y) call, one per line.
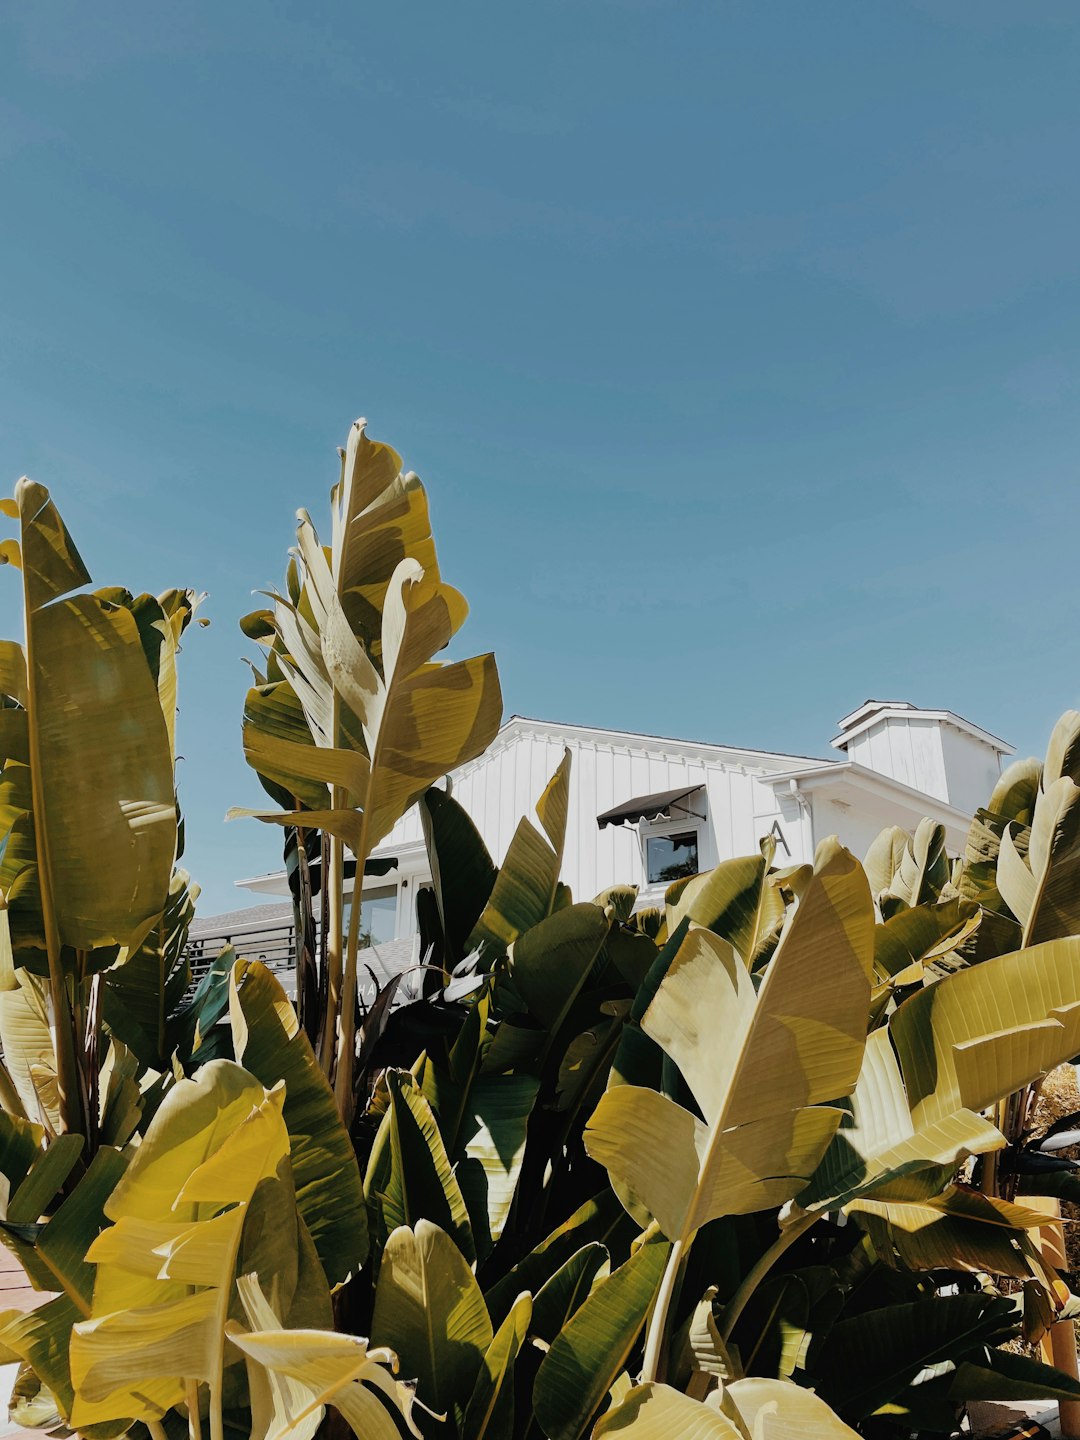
point(504, 785)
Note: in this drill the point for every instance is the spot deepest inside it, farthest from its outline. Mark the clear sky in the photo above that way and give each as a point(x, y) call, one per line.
point(738, 344)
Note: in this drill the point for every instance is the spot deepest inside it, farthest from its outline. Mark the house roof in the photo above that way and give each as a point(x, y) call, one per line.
point(638, 738)
point(850, 774)
point(872, 712)
point(252, 917)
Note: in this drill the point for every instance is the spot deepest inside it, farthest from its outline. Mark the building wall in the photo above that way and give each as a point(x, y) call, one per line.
point(744, 796)
point(972, 768)
point(505, 785)
point(930, 755)
point(908, 750)
point(858, 826)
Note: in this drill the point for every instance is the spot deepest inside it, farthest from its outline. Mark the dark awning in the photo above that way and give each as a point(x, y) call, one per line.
point(646, 807)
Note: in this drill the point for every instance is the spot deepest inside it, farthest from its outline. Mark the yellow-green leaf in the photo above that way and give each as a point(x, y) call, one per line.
point(430, 1312)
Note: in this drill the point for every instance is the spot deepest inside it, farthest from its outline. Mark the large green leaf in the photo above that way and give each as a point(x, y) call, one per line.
point(329, 1192)
point(491, 1147)
point(489, 1414)
point(1004, 1375)
point(550, 962)
point(567, 1290)
point(430, 1312)
point(409, 1175)
point(761, 1065)
point(462, 871)
point(142, 998)
point(657, 1412)
point(524, 890)
point(751, 1409)
point(982, 1033)
point(923, 932)
point(302, 1370)
point(601, 1220)
point(165, 1267)
point(483, 1116)
point(775, 1409)
point(104, 808)
point(866, 1360)
point(959, 1229)
point(593, 1347)
point(738, 902)
point(880, 1146)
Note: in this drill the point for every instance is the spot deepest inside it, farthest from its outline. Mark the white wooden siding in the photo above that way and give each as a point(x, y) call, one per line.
point(505, 784)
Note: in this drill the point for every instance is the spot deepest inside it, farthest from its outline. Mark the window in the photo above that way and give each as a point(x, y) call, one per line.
point(671, 857)
point(378, 915)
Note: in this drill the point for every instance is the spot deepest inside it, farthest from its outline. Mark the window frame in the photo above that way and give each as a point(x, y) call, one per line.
point(665, 829)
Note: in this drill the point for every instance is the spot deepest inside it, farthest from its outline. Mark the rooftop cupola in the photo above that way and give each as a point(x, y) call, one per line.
point(935, 751)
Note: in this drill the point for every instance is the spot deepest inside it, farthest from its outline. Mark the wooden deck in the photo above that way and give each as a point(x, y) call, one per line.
point(16, 1293)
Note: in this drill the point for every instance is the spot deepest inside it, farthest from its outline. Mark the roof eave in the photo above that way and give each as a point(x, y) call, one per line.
point(822, 777)
point(905, 712)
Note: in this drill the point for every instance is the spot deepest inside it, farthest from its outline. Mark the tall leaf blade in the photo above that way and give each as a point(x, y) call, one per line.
point(980, 1034)
point(329, 1191)
point(430, 1312)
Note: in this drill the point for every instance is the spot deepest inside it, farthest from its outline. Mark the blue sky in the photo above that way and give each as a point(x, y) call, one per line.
point(737, 344)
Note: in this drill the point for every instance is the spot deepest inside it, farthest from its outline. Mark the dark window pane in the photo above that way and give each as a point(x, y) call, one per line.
point(671, 857)
point(378, 915)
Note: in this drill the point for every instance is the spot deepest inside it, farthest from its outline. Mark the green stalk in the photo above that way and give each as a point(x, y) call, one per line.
point(346, 1064)
point(194, 1421)
point(333, 898)
point(658, 1320)
point(761, 1268)
point(656, 1336)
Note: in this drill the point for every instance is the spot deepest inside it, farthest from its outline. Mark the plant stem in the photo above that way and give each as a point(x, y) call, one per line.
point(761, 1268)
point(194, 1421)
point(346, 1064)
point(657, 1331)
point(156, 1429)
point(333, 900)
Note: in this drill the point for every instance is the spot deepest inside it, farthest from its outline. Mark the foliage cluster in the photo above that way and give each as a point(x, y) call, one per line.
point(749, 1165)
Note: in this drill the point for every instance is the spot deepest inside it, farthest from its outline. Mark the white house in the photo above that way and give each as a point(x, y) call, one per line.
point(645, 809)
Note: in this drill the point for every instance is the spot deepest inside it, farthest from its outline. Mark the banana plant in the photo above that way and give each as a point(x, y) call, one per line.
point(87, 792)
point(355, 719)
point(52, 1254)
point(765, 1069)
point(558, 980)
point(304, 1215)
